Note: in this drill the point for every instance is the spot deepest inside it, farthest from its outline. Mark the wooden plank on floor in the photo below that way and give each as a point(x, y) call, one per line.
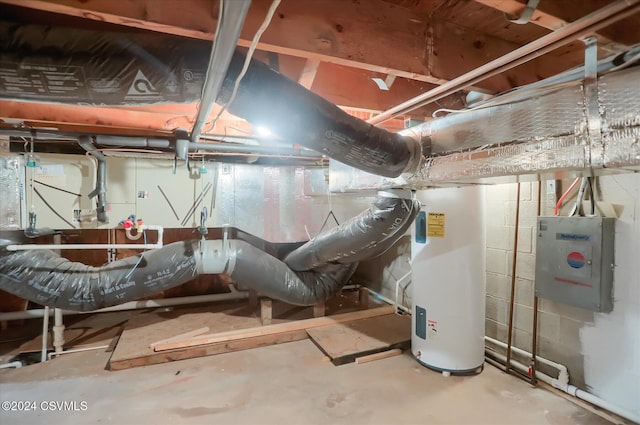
point(344, 342)
point(140, 332)
point(275, 329)
point(378, 356)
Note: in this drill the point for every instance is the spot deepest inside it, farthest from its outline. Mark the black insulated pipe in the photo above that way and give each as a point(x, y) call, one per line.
point(269, 99)
point(101, 178)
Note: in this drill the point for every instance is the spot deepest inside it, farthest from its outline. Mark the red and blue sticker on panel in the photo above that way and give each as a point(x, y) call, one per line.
point(576, 260)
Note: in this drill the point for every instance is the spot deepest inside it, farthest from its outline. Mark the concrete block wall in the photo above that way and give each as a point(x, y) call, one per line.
point(601, 350)
point(500, 227)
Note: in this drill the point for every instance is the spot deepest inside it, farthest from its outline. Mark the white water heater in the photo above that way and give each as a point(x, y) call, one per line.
point(448, 280)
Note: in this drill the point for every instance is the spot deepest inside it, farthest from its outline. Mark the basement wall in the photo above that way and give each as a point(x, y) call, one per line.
point(602, 351)
point(278, 204)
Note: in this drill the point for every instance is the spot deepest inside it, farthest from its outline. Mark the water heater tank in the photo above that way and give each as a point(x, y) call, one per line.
point(448, 280)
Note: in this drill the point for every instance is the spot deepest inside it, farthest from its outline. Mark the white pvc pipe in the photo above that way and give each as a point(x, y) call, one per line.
point(15, 364)
point(78, 350)
point(565, 387)
point(58, 331)
point(45, 334)
point(132, 305)
point(563, 372)
point(157, 245)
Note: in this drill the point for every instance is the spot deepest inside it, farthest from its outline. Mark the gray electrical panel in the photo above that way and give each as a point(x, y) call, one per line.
point(574, 261)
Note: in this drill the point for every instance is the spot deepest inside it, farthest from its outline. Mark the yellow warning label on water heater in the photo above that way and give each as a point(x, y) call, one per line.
point(435, 225)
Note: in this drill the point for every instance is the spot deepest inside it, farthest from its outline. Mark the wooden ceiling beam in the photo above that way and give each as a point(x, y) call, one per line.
point(371, 35)
point(547, 20)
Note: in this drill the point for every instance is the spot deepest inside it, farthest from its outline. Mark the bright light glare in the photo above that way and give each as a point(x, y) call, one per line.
point(263, 131)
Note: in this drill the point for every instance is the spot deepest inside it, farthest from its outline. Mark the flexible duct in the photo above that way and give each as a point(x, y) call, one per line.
point(269, 99)
point(377, 228)
point(45, 278)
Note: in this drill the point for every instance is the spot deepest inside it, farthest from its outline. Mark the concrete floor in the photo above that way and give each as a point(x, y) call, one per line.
point(284, 384)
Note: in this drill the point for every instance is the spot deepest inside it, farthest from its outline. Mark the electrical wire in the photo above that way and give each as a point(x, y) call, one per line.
point(57, 188)
point(247, 61)
point(578, 205)
point(556, 210)
point(51, 208)
point(144, 233)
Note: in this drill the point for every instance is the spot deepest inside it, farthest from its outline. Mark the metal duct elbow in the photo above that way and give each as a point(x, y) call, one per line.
point(269, 99)
point(364, 236)
point(45, 278)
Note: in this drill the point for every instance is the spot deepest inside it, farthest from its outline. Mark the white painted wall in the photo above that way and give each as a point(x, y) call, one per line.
point(611, 344)
point(602, 351)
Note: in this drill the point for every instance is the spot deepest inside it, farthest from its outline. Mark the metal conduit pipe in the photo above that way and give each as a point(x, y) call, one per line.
point(149, 142)
point(267, 98)
point(593, 22)
point(101, 177)
point(237, 148)
point(230, 22)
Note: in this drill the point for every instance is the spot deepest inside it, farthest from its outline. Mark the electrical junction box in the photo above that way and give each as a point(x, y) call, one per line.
point(574, 261)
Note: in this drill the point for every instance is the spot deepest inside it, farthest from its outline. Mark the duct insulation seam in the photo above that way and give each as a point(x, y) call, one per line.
point(45, 278)
point(374, 230)
point(267, 98)
point(542, 133)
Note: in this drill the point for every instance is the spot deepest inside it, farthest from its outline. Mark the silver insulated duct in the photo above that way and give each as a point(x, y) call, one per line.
point(45, 278)
point(543, 133)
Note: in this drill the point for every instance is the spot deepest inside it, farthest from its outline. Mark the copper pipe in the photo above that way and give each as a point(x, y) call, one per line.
point(534, 342)
point(512, 298)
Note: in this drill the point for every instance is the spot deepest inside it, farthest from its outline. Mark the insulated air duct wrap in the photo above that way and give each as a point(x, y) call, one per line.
point(45, 278)
point(269, 99)
point(367, 235)
point(325, 266)
point(265, 273)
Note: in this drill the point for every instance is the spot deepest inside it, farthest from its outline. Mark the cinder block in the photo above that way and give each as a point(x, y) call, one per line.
point(501, 192)
point(522, 340)
point(497, 261)
point(569, 332)
point(549, 326)
point(495, 213)
point(566, 355)
point(574, 313)
point(526, 266)
point(495, 330)
point(499, 237)
point(523, 318)
point(525, 191)
point(524, 292)
point(524, 239)
point(496, 309)
point(528, 213)
point(498, 285)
